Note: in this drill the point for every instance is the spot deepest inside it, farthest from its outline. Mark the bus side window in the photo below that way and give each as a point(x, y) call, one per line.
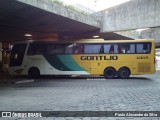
point(121, 48)
point(131, 48)
point(111, 49)
point(107, 48)
point(147, 48)
point(78, 48)
point(59, 49)
point(68, 48)
point(127, 48)
point(53, 48)
point(40, 48)
point(101, 49)
point(139, 48)
point(143, 48)
point(31, 49)
point(116, 47)
point(92, 48)
point(50, 48)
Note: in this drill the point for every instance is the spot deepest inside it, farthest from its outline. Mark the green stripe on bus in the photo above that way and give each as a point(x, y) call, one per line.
point(63, 62)
point(70, 63)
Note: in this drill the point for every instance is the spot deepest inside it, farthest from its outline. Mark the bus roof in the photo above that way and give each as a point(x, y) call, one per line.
point(88, 41)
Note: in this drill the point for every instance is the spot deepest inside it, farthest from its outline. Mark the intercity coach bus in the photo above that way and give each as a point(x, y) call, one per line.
point(113, 58)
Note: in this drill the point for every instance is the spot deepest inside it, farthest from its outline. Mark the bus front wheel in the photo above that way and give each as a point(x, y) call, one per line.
point(109, 73)
point(124, 73)
point(33, 72)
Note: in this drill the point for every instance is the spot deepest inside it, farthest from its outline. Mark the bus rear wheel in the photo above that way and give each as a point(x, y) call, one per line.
point(124, 73)
point(33, 72)
point(109, 73)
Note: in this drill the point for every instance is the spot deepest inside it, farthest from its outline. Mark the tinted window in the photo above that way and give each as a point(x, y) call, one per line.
point(143, 48)
point(127, 48)
point(36, 48)
point(69, 48)
point(93, 48)
point(40, 48)
point(111, 48)
point(45, 48)
point(78, 48)
point(31, 49)
point(53, 48)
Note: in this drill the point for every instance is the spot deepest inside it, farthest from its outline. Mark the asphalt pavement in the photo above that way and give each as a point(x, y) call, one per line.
point(138, 93)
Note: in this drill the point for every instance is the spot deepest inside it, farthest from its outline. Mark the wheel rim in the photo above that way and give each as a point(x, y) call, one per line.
point(123, 73)
point(33, 73)
point(110, 73)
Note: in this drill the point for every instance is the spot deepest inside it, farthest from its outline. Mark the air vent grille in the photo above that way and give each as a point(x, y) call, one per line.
point(144, 67)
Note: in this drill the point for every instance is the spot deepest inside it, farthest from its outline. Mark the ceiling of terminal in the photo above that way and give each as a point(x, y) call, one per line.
point(18, 19)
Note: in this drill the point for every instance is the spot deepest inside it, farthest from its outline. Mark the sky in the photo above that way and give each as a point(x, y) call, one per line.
point(96, 5)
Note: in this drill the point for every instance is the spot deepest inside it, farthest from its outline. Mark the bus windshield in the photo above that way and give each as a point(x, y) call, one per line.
point(17, 54)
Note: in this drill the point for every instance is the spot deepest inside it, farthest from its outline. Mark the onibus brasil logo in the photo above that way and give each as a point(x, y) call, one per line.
point(21, 114)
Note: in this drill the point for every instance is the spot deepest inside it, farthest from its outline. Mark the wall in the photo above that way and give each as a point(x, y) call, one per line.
point(131, 15)
point(63, 11)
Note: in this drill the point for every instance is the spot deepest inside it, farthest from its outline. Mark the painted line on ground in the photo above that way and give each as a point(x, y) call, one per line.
point(24, 81)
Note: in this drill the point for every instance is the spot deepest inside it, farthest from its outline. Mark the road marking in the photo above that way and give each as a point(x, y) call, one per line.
point(24, 81)
point(96, 79)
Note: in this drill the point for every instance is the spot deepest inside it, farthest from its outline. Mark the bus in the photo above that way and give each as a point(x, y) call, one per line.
point(108, 58)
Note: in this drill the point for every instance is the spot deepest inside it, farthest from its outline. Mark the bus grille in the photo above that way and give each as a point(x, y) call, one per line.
point(144, 67)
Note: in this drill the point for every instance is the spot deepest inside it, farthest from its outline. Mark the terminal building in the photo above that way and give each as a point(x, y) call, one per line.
point(63, 20)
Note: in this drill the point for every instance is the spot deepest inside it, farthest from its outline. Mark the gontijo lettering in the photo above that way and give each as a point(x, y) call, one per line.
point(114, 57)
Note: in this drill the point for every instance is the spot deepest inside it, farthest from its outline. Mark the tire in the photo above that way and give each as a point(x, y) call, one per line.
point(109, 73)
point(33, 72)
point(124, 73)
